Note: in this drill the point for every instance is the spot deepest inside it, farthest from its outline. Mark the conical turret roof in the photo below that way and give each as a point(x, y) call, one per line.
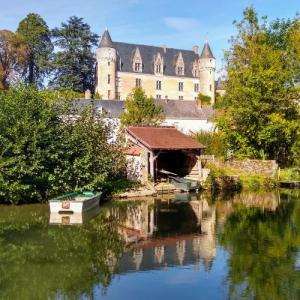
point(106, 40)
point(206, 52)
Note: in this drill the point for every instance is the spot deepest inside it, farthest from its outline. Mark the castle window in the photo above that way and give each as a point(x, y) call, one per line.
point(196, 87)
point(108, 63)
point(137, 63)
point(210, 88)
point(158, 97)
point(137, 67)
point(118, 81)
point(180, 71)
point(179, 67)
point(118, 96)
point(108, 94)
point(138, 82)
point(158, 64)
point(158, 85)
point(180, 97)
point(195, 69)
point(108, 79)
point(180, 86)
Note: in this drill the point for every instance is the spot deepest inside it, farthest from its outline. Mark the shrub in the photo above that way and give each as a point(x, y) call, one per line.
point(43, 153)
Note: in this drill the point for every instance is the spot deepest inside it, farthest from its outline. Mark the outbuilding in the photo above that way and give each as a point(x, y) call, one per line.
point(154, 151)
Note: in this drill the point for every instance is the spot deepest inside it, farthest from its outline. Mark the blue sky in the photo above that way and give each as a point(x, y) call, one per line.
point(178, 24)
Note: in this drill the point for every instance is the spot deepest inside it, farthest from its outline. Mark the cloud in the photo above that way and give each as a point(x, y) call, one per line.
point(181, 24)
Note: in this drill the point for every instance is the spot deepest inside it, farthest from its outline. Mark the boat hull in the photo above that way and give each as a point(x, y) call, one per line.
point(74, 206)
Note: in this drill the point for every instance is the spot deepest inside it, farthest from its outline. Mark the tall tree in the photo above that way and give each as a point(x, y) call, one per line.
point(74, 62)
point(37, 35)
point(141, 110)
point(13, 54)
point(260, 118)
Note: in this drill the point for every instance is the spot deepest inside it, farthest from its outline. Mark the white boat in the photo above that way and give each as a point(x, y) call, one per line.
point(75, 202)
point(73, 218)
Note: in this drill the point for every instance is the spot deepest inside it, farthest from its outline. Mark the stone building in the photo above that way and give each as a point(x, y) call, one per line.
point(164, 73)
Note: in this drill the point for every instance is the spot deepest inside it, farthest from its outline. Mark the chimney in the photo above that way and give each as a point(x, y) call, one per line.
point(195, 49)
point(164, 47)
point(87, 94)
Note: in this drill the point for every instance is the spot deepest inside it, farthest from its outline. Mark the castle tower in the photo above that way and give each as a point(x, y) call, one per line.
point(106, 67)
point(207, 68)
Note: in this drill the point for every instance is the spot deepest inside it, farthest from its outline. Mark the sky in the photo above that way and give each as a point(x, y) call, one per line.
point(177, 24)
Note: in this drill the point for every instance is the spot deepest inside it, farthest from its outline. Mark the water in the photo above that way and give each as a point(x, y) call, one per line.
point(243, 247)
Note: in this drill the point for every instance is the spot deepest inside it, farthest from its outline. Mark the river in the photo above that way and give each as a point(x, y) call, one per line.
point(246, 246)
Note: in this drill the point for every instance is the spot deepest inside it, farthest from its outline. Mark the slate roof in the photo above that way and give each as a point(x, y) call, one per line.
point(206, 52)
point(220, 84)
point(106, 40)
point(173, 109)
point(163, 138)
point(148, 53)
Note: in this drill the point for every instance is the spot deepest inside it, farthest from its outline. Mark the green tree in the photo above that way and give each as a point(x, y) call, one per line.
point(49, 147)
point(260, 118)
point(203, 99)
point(74, 62)
point(35, 32)
point(141, 110)
point(13, 55)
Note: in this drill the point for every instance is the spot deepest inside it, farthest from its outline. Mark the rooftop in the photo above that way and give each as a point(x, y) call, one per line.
point(163, 138)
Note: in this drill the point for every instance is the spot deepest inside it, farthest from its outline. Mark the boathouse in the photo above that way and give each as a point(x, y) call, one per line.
point(153, 151)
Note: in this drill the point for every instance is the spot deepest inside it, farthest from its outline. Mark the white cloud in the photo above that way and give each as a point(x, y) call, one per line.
point(181, 24)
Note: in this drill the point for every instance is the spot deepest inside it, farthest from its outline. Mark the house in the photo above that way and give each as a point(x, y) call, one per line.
point(186, 116)
point(153, 149)
point(163, 72)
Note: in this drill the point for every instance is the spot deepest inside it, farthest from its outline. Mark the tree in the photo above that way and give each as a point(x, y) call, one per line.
point(260, 119)
point(13, 54)
point(41, 156)
point(35, 32)
point(74, 62)
point(203, 99)
point(141, 110)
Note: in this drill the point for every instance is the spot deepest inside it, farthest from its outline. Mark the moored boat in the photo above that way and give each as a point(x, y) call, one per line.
point(75, 202)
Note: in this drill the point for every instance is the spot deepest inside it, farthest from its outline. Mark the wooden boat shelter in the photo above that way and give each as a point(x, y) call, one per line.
point(164, 149)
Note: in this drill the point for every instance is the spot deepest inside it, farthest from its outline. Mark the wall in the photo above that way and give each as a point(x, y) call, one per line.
point(188, 125)
point(254, 166)
point(169, 85)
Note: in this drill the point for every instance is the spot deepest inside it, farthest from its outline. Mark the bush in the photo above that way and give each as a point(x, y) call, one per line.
point(43, 153)
point(213, 141)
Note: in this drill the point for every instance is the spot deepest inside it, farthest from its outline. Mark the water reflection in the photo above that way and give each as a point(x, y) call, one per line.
point(244, 247)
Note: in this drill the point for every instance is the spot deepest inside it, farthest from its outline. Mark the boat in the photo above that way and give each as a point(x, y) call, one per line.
point(180, 183)
point(73, 218)
point(76, 202)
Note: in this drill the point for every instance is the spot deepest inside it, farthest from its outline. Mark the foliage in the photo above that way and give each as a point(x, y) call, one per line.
point(260, 119)
point(263, 252)
point(141, 110)
point(13, 55)
point(45, 261)
point(74, 62)
point(213, 141)
point(46, 150)
point(203, 99)
point(35, 32)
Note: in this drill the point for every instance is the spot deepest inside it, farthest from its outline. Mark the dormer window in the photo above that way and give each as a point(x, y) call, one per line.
point(179, 67)
point(195, 69)
point(137, 63)
point(158, 64)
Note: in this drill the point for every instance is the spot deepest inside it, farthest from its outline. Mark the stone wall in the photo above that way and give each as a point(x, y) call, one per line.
point(254, 166)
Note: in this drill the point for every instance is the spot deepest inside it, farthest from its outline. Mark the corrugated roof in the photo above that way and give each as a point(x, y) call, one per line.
point(163, 138)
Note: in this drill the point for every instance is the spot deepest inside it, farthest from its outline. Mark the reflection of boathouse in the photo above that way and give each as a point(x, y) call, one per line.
point(167, 234)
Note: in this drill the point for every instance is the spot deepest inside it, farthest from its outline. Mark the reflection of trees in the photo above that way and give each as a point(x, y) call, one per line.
point(263, 248)
point(54, 261)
